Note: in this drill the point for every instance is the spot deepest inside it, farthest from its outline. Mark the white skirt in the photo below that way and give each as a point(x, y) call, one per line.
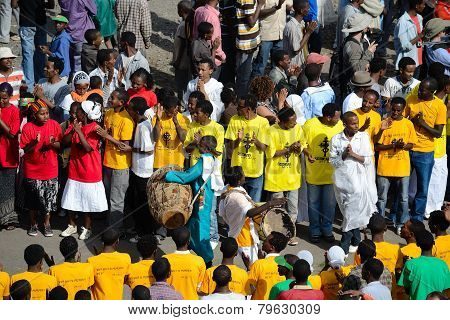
point(84, 196)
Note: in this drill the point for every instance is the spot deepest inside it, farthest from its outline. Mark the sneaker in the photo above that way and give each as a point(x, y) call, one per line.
point(70, 230)
point(33, 231)
point(352, 249)
point(134, 239)
point(48, 232)
point(85, 234)
point(292, 242)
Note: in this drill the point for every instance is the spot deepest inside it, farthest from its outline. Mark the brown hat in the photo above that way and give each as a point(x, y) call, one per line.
point(361, 79)
point(434, 27)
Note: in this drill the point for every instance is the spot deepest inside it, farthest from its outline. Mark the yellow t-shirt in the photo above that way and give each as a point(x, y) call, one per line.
point(212, 129)
point(73, 276)
point(375, 122)
point(318, 138)
point(41, 283)
point(238, 284)
point(441, 248)
point(316, 281)
point(411, 251)
point(246, 154)
point(120, 126)
point(263, 276)
point(187, 274)
point(244, 238)
point(110, 270)
point(141, 274)
point(168, 147)
point(329, 282)
point(395, 163)
point(4, 285)
point(440, 144)
point(434, 113)
point(388, 253)
point(283, 173)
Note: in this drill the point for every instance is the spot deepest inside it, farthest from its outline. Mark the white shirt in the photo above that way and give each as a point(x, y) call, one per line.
point(223, 296)
point(377, 291)
point(394, 88)
point(351, 102)
point(104, 76)
point(213, 89)
point(142, 163)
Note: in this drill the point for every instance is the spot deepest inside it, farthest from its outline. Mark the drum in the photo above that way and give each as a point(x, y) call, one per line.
point(168, 202)
point(275, 219)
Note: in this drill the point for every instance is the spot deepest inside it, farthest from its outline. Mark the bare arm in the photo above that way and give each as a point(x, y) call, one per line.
point(6, 129)
point(253, 18)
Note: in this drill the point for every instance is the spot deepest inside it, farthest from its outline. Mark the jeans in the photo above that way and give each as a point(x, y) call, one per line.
point(33, 60)
point(254, 186)
point(228, 73)
point(75, 56)
point(351, 237)
point(116, 184)
point(214, 228)
point(243, 71)
point(291, 204)
point(5, 19)
point(315, 41)
point(265, 49)
point(423, 163)
point(402, 186)
point(321, 208)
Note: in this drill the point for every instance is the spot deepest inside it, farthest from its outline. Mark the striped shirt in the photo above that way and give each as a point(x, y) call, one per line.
point(248, 38)
point(15, 79)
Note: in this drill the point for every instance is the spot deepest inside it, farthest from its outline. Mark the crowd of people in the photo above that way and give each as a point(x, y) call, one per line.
point(251, 126)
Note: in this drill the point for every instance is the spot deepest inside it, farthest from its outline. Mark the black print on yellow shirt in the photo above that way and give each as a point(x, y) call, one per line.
point(247, 142)
point(325, 144)
point(287, 156)
point(166, 138)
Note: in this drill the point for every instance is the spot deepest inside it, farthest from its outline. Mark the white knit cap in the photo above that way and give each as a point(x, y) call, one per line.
point(336, 257)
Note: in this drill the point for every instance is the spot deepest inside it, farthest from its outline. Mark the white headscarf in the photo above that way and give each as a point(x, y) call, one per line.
point(308, 257)
point(92, 109)
point(80, 77)
point(296, 103)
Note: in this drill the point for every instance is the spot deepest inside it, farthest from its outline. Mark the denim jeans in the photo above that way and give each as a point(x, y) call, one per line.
point(254, 186)
point(116, 184)
point(265, 49)
point(321, 207)
point(243, 71)
point(214, 229)
point(422, 163)
point(33, 60)
point(402, 186)
point(6, 11)
point(351, 237)
point(291, 204)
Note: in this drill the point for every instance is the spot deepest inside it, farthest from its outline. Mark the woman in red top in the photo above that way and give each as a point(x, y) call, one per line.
point(40, 141)
point(84, 191)
point(9, 156)
point(142, 86)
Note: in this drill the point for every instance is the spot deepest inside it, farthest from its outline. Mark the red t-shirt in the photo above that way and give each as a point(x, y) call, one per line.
point(85, 166)
point(301, 294)
point(148, 95)
point(9, 148)
point(40, 164)
point(415, 19)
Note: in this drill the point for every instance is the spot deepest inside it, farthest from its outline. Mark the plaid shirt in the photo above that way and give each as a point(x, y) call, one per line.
point(163, 291)
point(385, 279)
point(134, 16)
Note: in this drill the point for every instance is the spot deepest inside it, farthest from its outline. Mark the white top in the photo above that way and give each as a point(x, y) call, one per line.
point(104, 76)
point(377, 291)
point(223, 296)
point(142, 163)
point(394, 88)
point(213, 89)
point(351, 102)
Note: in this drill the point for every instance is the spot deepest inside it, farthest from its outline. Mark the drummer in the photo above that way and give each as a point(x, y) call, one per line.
point(237, 208)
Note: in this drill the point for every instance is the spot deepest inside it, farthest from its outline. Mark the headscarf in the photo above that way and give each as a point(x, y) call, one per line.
point(36, 105)
point(92, 109)
point(6, 87)
point(80, 77)
point(308, 257)
point(336, 257)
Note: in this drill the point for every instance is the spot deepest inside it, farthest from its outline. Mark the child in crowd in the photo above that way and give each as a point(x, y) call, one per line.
point(228, 97)
point(333, 270)
point(41, 283)
point(285, 269)
point(58, 293)
point(110, 268)
point(90, 49)
point(141, 272)
point(40, 141)
point(140, 292)
point(438, 226)
point(142, 85)
point(204, 46)
point(160, 289)
point(95, 85)
point(21, 290)
point(371, 272)
point(79, 92)
point(194, 98)
point(84, 191)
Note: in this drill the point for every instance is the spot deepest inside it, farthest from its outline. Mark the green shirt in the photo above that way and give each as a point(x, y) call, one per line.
point(280, 287)
point(423, 275)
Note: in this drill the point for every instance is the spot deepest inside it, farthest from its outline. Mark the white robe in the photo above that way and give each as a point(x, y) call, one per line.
point(354, 182)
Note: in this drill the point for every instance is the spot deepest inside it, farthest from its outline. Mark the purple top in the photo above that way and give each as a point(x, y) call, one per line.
point(79, 13)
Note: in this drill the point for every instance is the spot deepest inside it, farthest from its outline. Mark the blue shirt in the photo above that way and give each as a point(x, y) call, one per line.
point(313, 11)
point(314, 98)
point(60, 48)
point(440, 55)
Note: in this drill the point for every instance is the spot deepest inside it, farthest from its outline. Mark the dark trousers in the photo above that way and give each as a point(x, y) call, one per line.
point(228, 72)
point(315, 41)
point(351, 237)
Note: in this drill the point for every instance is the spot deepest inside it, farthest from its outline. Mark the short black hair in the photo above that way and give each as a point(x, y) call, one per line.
point(181, 236)
point(205, 106)
point(204, 28)
point(377, 224)
point(431, 83)
point(104, 55)
point(302, 270)
point(234, 175)
point(197, 95)
point(278, 56)
point(374, 92)
point(210, 142)
point(222, 275)
point(406, 61)
point(375, 267)
point(278, 241)
point(147, 245)
point(33, 254)
point(20, 290)
point(367, 249)
point(68, 247)
point(58, 64)
point(139, 104)
point(184, 6)
point(424, 240)
point(209, 62)
point(110, 236)
point(352, 282)
point(140, 292)
point(250, 101)
point(398, 100)
point(436, 70)
point(122, 95)
point(95, 82)
point(285, 114)
point(161, 269)
point(95, 97)
point(170, 102)
point(163, 92)
point(312, 71)
point(291, 258)
point(330, 109)
point(377, 64)
point(416, 227)
point(90, 35)
point(299, 4)
point(144, 75)
point(437, 220)
point(347, 115)
point(58, 293)
point(228, 95)
point(229, 247)
point(129, 38)
point(414, 3)
point(83, 295)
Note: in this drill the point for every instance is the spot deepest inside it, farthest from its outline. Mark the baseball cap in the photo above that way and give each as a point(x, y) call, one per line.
point(60, 18)
point(316, 58)
point(281, 261)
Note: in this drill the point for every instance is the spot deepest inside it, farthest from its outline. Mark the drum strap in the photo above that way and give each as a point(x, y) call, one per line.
point(200, 190)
